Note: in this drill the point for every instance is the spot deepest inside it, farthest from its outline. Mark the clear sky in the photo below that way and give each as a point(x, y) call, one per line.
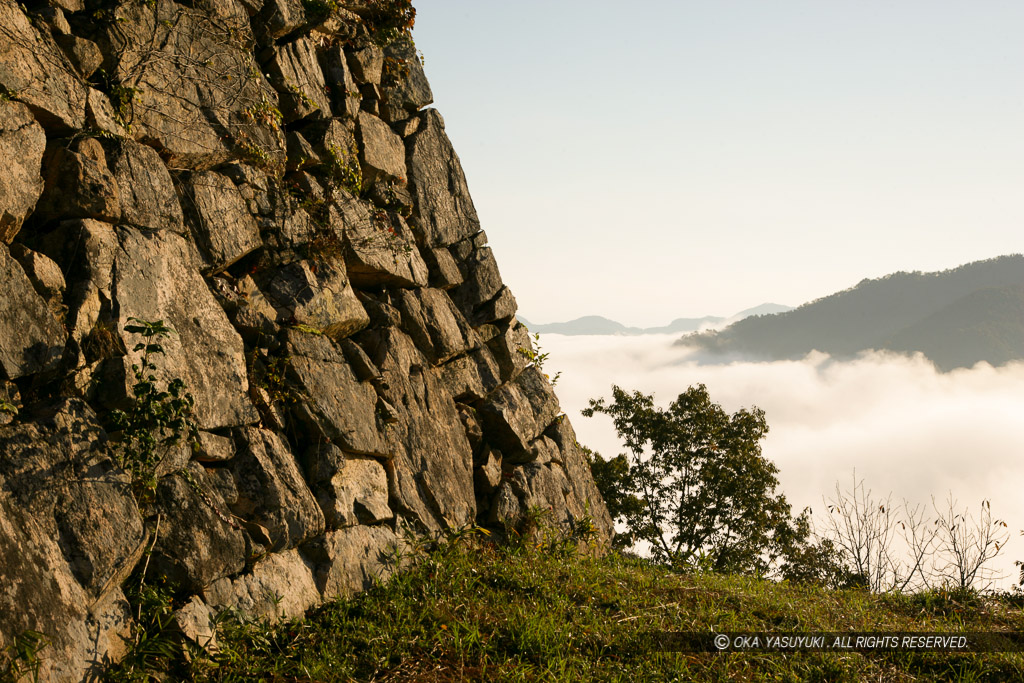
point(660, 159)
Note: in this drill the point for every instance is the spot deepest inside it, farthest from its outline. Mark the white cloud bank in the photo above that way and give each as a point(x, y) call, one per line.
point(906, 428)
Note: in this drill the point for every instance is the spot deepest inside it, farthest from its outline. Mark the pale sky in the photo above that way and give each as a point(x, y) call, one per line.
point(660, 159)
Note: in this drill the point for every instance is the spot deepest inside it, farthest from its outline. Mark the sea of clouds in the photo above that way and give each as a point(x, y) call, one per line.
point(904, 427)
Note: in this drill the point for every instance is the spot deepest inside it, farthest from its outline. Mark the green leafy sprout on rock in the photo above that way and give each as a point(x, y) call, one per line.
point(157, 419)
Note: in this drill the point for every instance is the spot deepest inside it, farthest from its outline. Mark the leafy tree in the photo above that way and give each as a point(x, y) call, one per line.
point(695, 485)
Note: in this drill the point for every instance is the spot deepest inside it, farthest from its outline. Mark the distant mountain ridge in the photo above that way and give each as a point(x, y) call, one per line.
point(599, 325)
point(956, 317)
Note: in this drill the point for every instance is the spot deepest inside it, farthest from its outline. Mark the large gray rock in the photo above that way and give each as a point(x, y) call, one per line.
point(101, 116)
point(367, 63)
point(546, 486)
point(404, 87)
point(432, 468)
point(444, 210)
point(22, 143)
point(35, 71)
point(471, 377)
point(300, 153)
point(317, 295)
point(333, 404)
point(482, 281)
point(380, 247)
point(510, 348)
point(500, 309)
point(148, 199)
point(279, 18)
point(44, 274)
point(84, 54)
point(198, 623)
point(350, 560)
point(295, 73)
point(79, 184)
point(444, 271)
point(351, 490)
point(381, 151)
point(271, 490)
point(85, 251)
point(340, 82)
point(518, 412)
point(156, 276)
point(434, 323)
point(70, 533)
point(198, 541)
point(219, 218)
point(31, 336)
point(577, 469)
point(281, 586)
point(189, 88)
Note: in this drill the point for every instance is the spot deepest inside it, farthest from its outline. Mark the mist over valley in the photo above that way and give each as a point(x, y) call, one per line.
point(903, 423)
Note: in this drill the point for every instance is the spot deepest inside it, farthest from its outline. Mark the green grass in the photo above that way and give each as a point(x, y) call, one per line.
point(471, 610)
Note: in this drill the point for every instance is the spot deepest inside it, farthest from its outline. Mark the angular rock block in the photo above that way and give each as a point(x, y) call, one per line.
point(44, 274)
point(335, 406)
point(498, 310)
point(35, 71)
point(148, 199)
point(434, 323)
point(432, 467)
point(471, 377)
point(318, 295)
point(382, 152)
point(198, 541)
point(219, 218)
point(367, 63)
point(22, 143)
point(481, 282)
point(350, 490)
point(79, 184)
point(510, 349)
point(271, 490)
point(31, 336)
point(577, 469)
point(157, 277)
point(340, 82)
point(379, 250)
point(189, 88)
point(403, 96)
point(519, 412)
point(295, 73)
point(84, 54)
point(350, 560)
point(444, 211)
point(281, 586)
point(70, 533)
point(278, 18)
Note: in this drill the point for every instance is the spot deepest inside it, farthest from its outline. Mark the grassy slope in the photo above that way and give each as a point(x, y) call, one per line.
point(473, 612)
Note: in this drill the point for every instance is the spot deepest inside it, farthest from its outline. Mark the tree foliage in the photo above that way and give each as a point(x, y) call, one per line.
point(694, 484)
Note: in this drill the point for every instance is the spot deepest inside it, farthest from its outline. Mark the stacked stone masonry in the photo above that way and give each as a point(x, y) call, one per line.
point(267, 180)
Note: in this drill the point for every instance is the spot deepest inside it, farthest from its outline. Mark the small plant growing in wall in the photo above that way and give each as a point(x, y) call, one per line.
point(388, 20)
point(535, 356)
point(157, 419)
point(20, 659)
point(343, 168)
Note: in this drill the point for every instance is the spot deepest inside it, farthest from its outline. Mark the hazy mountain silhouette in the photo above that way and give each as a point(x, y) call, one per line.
point(595, 324)
point(955, 317)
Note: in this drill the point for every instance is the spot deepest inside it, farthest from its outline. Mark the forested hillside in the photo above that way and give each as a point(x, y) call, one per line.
point(956, 318)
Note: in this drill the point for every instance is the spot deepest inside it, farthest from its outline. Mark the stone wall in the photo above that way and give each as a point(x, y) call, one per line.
point(264, 177)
